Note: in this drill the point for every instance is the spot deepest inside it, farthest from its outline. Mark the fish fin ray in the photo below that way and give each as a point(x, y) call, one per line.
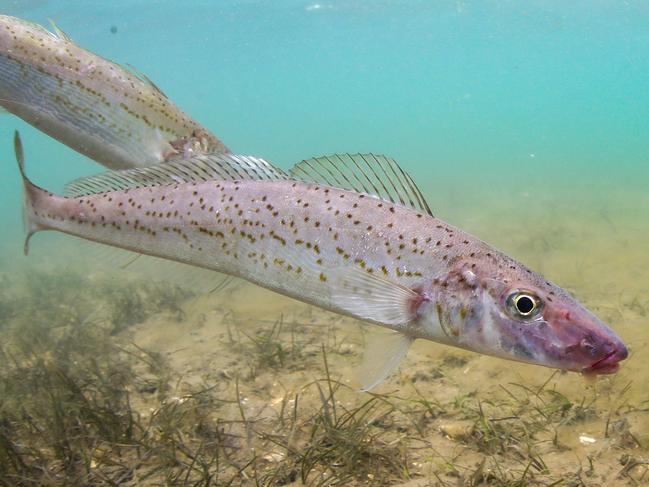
point(373, 298)
point(30, 225)
point(186, 276)
point(58, 33)
point(222, 167)
point(355, 292)
point(144, 78)
point(131, 265)
point(378, 175)
point(383, 352)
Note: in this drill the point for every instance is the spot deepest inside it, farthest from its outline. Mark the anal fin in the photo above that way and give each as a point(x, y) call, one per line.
point(128, 265)
point(189, 277)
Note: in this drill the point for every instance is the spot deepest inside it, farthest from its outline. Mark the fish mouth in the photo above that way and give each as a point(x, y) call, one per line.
point(609, 364)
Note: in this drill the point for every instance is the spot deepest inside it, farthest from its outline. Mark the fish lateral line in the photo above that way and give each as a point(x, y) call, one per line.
point(352, 253)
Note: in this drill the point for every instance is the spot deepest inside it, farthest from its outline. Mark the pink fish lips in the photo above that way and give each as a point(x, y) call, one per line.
point(610, 362)
point(584, 343)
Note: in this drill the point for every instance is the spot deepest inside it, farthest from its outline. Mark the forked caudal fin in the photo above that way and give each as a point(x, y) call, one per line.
point(31, 191)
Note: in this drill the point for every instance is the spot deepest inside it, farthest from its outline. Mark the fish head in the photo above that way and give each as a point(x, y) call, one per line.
point(519, 315)
point(540, 323)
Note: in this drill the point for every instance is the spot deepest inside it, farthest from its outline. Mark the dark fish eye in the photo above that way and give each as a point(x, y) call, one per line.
point(523, 304)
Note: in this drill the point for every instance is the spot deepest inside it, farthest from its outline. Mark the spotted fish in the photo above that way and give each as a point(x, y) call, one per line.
point(348, 233)
point(114, 115)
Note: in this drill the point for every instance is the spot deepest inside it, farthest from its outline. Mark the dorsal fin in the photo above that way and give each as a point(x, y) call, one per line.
point(143, 77)
point(369, 173)
point(58, 32)
point(223, 167)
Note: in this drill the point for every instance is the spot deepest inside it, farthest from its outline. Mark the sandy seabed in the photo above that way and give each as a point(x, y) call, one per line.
point(111, 379)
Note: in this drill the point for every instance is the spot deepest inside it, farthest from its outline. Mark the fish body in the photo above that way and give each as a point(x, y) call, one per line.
point(108, 113)
point(346, 251)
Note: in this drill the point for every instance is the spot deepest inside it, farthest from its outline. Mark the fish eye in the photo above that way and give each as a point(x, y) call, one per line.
point(524, 304)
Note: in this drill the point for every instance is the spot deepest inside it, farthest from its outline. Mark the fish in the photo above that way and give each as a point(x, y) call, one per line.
point(115, 116)
point(347, 233)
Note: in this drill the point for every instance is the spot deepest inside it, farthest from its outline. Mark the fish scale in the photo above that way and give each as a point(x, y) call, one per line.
point(347, 251)
point(114, 116)
point(241, 227)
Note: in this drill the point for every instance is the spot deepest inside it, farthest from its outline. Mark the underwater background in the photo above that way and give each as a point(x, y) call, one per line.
point(524, 122)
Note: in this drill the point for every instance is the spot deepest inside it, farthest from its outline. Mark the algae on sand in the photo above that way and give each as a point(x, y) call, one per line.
point(108, 381)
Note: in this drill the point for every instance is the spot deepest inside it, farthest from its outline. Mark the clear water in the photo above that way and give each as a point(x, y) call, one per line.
point(524, 122)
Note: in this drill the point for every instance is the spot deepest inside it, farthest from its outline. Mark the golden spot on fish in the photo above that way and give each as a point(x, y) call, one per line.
point(323, 278)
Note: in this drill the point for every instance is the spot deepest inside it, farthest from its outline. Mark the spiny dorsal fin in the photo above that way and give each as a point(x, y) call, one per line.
point(369, 173)
point(223, 167)
point(58, 32)
point(143, 77)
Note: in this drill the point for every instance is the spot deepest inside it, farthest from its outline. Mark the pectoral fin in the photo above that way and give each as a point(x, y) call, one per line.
point(383, 353)
point(373, 298)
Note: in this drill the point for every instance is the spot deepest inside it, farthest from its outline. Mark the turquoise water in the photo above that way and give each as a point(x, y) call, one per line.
point(525, 123)
point(539, 93)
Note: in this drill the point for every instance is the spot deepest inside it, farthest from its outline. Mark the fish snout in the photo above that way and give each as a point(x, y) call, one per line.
point(591, 347)
point(608, 357)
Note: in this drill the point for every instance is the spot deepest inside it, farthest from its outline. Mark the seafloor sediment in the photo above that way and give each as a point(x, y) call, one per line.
point(108, 378)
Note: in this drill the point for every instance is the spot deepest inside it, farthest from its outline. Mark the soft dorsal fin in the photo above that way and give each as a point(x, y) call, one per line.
point(223, 167)
point(369, 173)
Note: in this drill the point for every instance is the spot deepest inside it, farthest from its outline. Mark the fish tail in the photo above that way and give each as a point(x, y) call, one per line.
point(32, 196)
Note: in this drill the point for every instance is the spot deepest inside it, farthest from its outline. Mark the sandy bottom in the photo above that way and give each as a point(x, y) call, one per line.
point(278, 368)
